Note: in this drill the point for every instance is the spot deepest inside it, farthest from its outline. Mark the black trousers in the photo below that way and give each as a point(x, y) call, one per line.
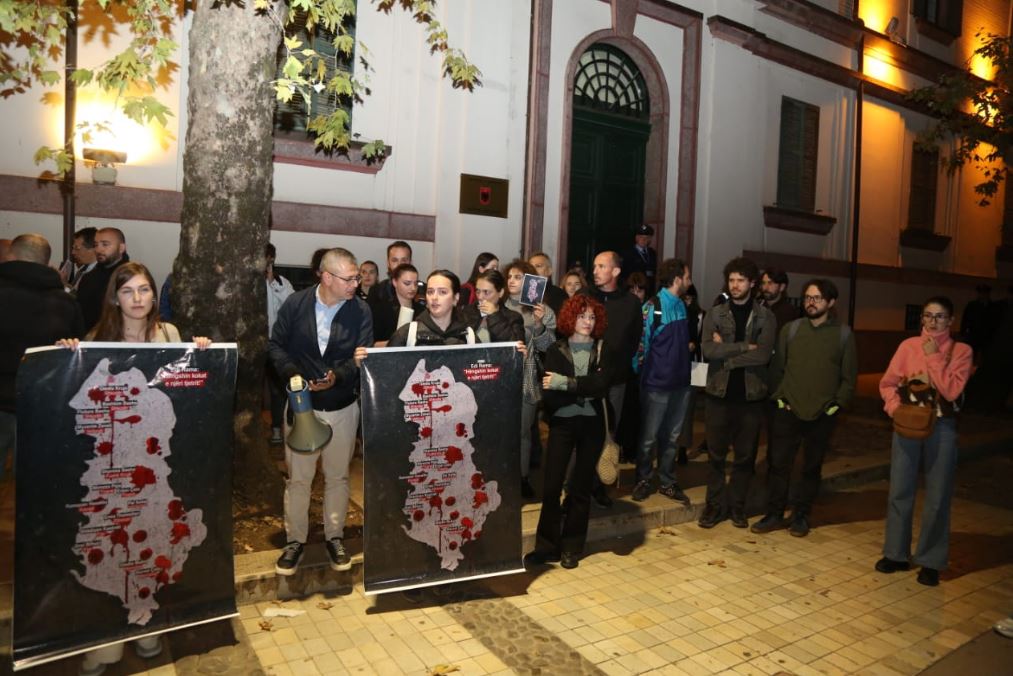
point(583, 435)
point(734, 424)
point(786, 434)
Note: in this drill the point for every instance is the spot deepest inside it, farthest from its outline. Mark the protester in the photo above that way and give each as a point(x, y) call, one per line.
point(492, 322)
point(391, 314)
point(36, 311)
point(636, 284)
point(110, 252)
point(369, 272)
point(82, 258)
point(663, 363)
point(694, 316)
point(441, 322)
point(539, 334)
point(574, 283)
point(738, 337)
point(576, 381)
point(641, 257)
point(928, 370)
point(484, 261)
point(773, 291)
point(554, 296)
point(315, 336)
point(622, 336)
point(812, 376)
point(398, 253)
point(278, 291)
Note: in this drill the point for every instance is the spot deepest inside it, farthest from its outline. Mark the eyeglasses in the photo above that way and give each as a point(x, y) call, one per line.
point(814, 299)
point(935, 317)
point(347, 280)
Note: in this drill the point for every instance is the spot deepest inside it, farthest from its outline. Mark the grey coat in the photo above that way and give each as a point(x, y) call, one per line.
point(761, 330)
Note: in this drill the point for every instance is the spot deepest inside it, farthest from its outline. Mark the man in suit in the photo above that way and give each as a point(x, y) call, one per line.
point(641, 257)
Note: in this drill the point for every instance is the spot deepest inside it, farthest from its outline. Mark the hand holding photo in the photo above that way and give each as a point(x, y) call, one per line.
point(533, 289)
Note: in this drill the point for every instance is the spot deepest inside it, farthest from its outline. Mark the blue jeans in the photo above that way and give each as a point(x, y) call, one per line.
point(939, 454)
point(662, 414)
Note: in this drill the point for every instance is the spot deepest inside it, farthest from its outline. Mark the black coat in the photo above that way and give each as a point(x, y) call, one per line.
point(625, 324)
point(504, 325)
point(385, 313)
point(595, 385)
point(554, 297)
point(36, 311)
point(429, 334)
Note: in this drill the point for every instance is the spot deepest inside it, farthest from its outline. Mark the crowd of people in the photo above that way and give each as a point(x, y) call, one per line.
point(618, 345)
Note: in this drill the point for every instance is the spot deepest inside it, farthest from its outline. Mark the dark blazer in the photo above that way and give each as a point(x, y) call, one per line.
point(504, 325)
point(293, 346)
point(92, 290)
point(595, 385)
point(36, 311)
point(385, 314)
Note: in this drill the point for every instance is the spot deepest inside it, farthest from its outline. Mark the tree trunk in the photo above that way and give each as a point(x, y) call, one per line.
point(218, 278)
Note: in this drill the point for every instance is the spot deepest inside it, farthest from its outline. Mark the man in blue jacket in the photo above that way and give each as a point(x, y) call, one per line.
point(663, 362)
point(315, 337)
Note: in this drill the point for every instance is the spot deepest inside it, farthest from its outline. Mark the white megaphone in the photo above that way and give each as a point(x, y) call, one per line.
point(309, 433)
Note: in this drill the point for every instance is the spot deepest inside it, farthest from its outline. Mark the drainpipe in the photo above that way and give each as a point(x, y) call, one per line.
point(69, 114)
point(857, 198)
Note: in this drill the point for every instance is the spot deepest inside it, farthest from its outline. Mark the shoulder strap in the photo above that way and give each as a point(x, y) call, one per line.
point(471, 336)
point(656, 314)
point(413, 332)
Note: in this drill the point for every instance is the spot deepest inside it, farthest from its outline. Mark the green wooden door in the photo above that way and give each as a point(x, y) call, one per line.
point(606, 184)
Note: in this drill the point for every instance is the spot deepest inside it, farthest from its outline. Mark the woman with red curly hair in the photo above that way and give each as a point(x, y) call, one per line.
point(578, 372)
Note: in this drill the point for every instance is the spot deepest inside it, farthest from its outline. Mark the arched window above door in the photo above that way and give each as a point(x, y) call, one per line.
point(607, 80)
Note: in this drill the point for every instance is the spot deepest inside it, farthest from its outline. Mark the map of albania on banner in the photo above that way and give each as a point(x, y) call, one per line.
point(441, 437)
point(123, 524)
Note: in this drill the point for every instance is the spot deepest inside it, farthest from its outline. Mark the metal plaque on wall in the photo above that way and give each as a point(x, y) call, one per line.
point(484, 195)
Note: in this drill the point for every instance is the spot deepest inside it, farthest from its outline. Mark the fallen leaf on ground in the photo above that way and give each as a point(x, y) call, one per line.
point(665, 531)
point(325, 605)
point(247, 548)
point(266, 625)
point(443, 669)
point(720, 563)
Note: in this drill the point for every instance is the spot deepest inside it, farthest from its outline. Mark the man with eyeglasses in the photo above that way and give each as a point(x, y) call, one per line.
point(315, 336)
point(813, 375)
point(82, 258)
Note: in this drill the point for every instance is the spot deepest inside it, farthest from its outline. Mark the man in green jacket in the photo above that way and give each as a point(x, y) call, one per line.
point(813, 375)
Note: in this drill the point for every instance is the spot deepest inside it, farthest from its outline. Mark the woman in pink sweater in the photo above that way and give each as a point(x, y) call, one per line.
point(933, 358)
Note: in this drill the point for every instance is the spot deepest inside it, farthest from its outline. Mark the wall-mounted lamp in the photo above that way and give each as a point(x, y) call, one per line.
point(103, 168)
point(893, 31)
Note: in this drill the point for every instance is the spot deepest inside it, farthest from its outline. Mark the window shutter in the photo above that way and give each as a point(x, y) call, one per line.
point(951, 14)
point(924, 179)
point(920, 8)
point(797, 155)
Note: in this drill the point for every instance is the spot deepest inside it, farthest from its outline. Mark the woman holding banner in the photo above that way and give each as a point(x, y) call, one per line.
point(578, 373)
point(129, 315)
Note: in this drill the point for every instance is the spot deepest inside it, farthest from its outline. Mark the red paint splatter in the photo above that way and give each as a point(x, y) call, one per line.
point(453, 455)
point(480, 498)
point(96, 395)
point(130, 419)
point(446, 408)
point(467, 522)
point(163, 562)
point(104, 447)
point(175, 509)
point(95, 556)
point(146, 554)
point(477, 534)
point(179, 531)
point(477, 481)
point(436, 501)
point(459, 430)
point(454, 515)
point(418, 389)
point(426, 432)
point(162, 577)
point(449, 502)
point(152, 445)
point(144, 592)
point(418, 515)
point(446, 385)
point(452, 546)
point(466, 534)
point(140, 535)
point(142, 476)
point(177, 576)
point(118, 537)
point(135, 391)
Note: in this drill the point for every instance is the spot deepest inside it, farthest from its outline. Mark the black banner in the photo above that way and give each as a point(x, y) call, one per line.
point(441, 446)
point(123, 525)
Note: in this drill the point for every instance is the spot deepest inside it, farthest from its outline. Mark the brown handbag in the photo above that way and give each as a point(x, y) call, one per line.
point(916, 421)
